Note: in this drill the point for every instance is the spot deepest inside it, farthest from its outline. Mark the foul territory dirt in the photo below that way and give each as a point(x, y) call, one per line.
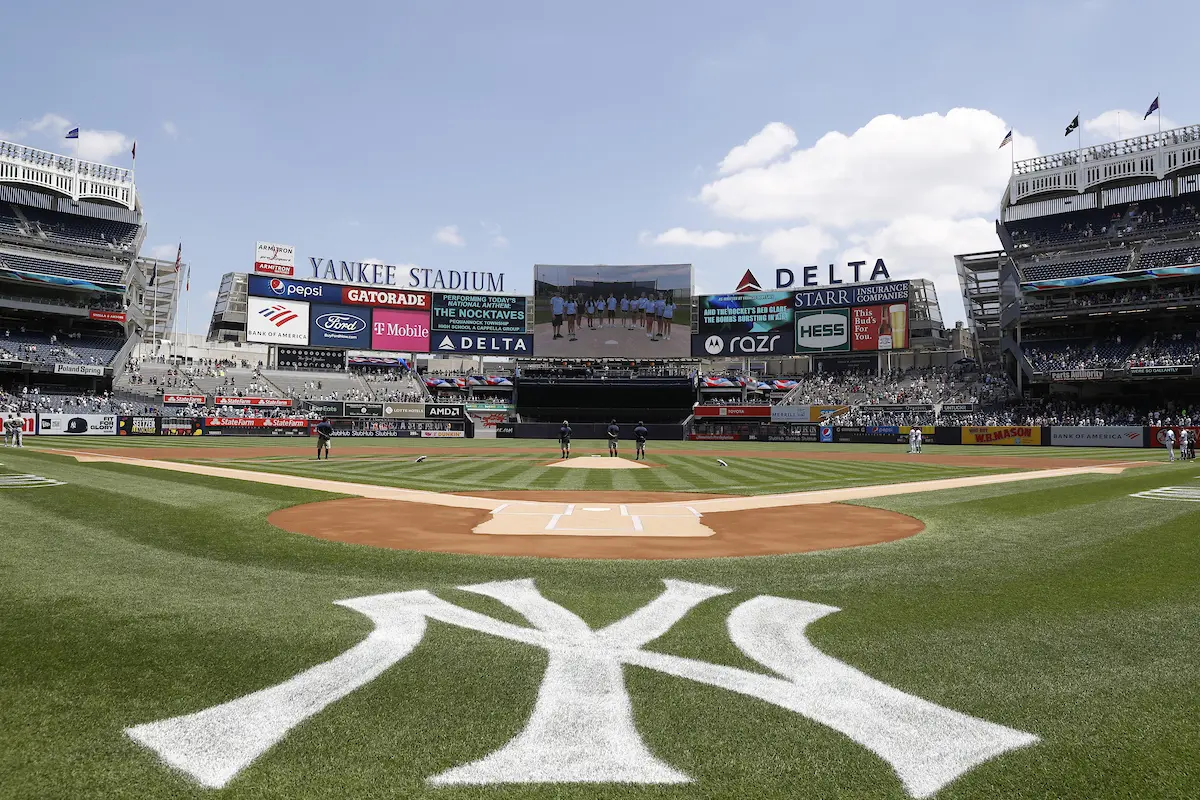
point(771, 531)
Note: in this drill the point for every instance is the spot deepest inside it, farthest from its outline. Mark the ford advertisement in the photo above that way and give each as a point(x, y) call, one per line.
point(340, 326)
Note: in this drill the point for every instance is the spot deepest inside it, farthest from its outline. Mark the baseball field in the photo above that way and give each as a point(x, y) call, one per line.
point(231, 618)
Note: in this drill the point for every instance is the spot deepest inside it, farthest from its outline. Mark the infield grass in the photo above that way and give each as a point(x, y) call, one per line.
point(1063, 607)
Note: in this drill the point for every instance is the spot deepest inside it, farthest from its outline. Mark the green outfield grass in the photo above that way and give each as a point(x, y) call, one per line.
point(1062, 607)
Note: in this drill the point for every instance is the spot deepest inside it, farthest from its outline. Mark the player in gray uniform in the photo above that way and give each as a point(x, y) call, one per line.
point(17, 435)
point(8, 431)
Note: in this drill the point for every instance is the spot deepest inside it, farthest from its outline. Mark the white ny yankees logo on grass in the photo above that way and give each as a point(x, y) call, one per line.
point(581, 729)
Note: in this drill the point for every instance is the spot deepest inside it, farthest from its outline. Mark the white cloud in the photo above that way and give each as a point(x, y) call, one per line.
point(170, 129)
point(1123, 124)
point(48, 131)
point(448, 234)
point(935, 164)
point(164, 252)
point(773, 141)
point(496, 237)
point(800, 245)
point(706, 239)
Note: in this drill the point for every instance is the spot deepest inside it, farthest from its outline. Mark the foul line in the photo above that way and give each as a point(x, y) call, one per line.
point(698, 507)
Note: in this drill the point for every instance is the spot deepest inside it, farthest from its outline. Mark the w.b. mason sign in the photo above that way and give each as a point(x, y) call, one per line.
point(581, 729)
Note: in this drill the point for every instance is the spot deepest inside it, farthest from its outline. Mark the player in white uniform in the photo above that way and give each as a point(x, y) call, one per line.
point(920, 439)
point(1169, 441)
point(18, 431)
point(912, 440)
point(8, 431)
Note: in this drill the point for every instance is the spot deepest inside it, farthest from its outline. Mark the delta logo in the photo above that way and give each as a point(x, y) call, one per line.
point(278, 315)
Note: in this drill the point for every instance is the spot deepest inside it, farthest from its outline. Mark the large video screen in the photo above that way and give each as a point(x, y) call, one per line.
point(641, 311)
point(742, 324)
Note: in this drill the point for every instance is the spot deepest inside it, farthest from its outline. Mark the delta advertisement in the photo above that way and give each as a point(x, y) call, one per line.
point(746, 323)
point(1003, 435)
point(77, 424)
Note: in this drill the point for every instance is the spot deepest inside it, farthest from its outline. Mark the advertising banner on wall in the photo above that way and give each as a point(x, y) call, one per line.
point(340, 326)
point(253, 423)
point(387, 298)
point(761, 412)
point(326, 408)
point(478, 313)
point(271, 321)
point(404, 410)
point(438, 411)
point(183, 399)
point(796, 433)
point(91, 370)
point(286, 289)
point(107, 316)
point(506, 344)
point(257, 402)
point(743, 324)
point(181, 426)
point(275, 259)
point(1097, 436)
point(364, 409)
point(639, 295)
point(29, 424)
point(879, 327)
point(138, 426)
point(406, 331)
point(864, 294)
point(327, 359)
point(1010, 435)
point(1158, 436)
point(77, 424)
point(1163, 370)
point(823, 331)
point(805, 413)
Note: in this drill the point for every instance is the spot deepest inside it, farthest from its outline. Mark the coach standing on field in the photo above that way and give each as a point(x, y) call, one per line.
point(639, 436)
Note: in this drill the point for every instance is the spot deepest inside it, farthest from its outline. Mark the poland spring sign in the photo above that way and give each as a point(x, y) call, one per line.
point(581, 729)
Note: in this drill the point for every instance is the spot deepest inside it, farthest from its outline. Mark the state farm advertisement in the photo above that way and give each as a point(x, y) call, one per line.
point(183, 399)
point(107, 316)
point(405, 331)
point(736, 412)
point(879, 327)
point(1012, 434)
point(246, 422)
point(388, 298)
point(275, 259)
point(267, 402)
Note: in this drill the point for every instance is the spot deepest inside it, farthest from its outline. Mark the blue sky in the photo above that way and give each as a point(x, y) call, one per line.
point(498, 135)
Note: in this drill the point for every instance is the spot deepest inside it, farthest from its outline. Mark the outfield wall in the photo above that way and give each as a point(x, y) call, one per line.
point(462, 426)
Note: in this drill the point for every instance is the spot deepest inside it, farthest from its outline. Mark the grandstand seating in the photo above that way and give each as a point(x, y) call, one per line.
point(82, 231)
point(1177, 256)
point(37, 347)
point(1050, 356)
point(1071, 269)
point(1132, 221)
point(333, 385)
point(63, 269)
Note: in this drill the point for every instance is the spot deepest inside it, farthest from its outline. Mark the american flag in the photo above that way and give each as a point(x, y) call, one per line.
point(1007, 140)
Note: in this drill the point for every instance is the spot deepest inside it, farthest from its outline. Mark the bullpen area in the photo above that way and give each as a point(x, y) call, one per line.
point(228, 617)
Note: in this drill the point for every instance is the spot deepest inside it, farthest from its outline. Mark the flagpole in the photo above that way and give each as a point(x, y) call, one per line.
point(1079, 137)
point(1158, 113)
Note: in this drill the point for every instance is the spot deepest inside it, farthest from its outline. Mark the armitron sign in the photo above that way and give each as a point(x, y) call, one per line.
point(275, 259)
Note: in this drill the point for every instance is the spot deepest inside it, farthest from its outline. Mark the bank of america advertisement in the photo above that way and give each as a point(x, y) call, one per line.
point(627, 311)
point(271, 321)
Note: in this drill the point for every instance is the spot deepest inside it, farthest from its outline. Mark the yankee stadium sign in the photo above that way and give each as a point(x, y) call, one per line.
point(406, 277)
point(583, 728)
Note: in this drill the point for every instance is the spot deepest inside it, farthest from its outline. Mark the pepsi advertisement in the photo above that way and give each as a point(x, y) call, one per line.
point(288, 289)
point(340, 326)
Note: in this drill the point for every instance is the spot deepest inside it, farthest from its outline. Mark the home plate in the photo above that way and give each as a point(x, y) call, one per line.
point(570, 519)
point(603, 462)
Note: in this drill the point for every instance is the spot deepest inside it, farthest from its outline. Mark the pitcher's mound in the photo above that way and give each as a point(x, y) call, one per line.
point(598, 462)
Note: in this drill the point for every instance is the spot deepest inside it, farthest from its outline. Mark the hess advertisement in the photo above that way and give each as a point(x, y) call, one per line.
point(642, 311)
point(823, 331)
point(744, 324)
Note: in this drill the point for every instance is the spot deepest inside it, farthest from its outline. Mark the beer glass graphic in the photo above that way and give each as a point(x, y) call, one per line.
point(899, 320)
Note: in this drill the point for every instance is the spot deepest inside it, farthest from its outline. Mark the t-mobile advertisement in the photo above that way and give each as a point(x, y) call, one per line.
point(397, 330)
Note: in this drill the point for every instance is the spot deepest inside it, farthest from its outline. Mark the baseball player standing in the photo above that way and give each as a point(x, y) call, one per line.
point(8, 430)
point(920, 438)
point(324, 434)
point(1169, 441)
point(564, 439)
point(639, 435)
point(614, 433)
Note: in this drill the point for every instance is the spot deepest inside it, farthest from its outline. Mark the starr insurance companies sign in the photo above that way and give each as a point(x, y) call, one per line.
point(582, 729)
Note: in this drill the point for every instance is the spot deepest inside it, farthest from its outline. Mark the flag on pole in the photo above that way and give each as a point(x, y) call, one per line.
point(1006, 141)
point(133, 152)
point(188, 283)
point(153, 272)
point(1153, 107)
point(73, 133)
point(179, 258)
point(1074, 124)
